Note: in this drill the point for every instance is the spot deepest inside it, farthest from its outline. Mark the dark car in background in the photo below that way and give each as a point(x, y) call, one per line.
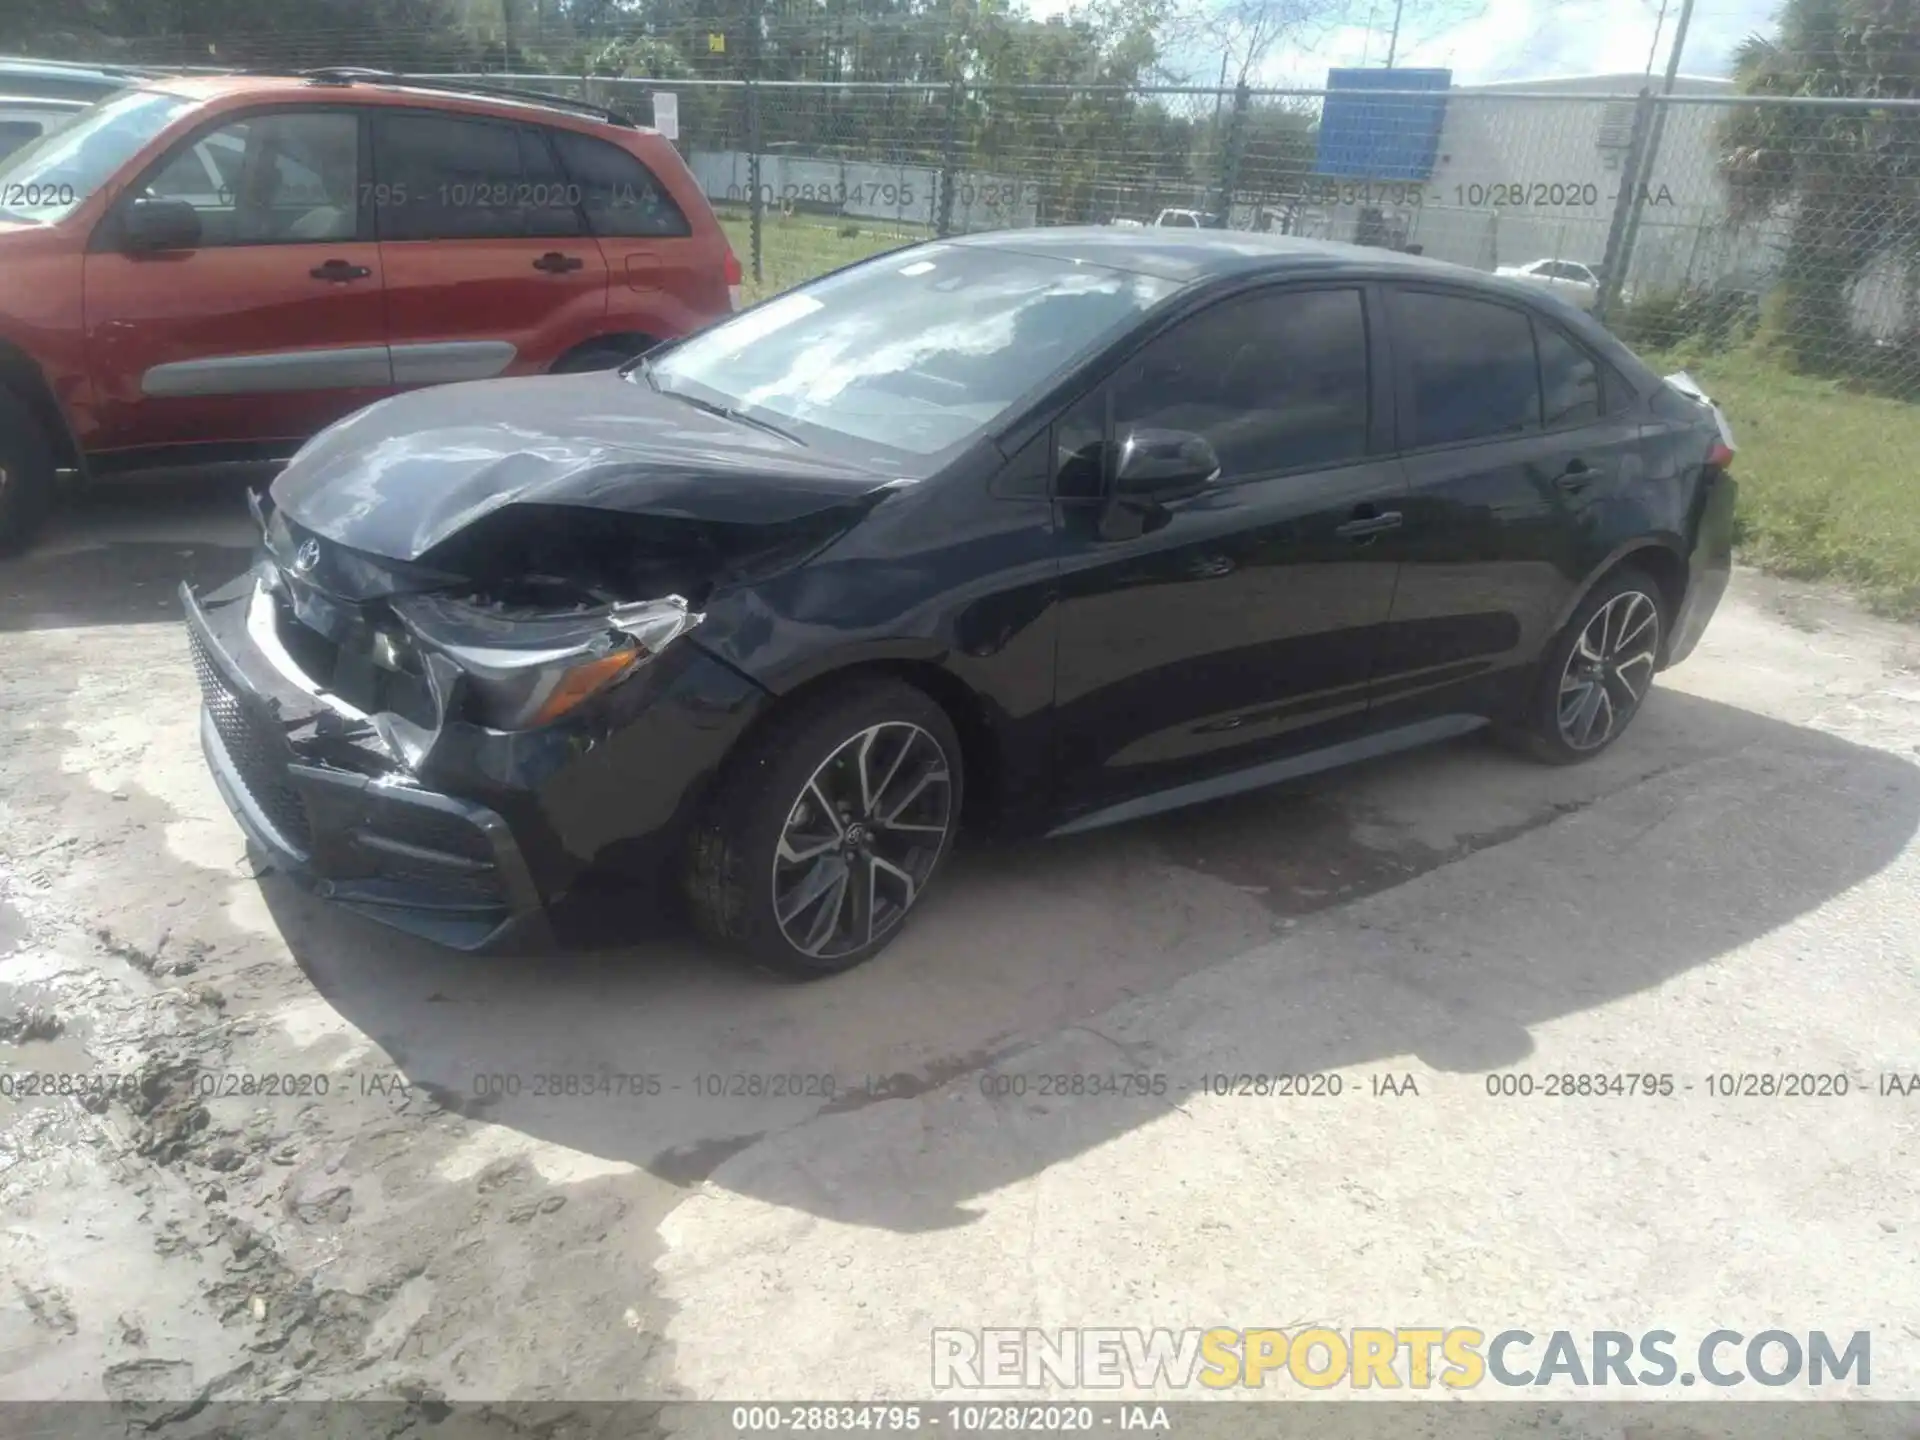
point(1046, 530)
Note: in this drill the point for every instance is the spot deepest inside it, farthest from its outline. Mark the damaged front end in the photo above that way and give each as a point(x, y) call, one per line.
point(447, 753)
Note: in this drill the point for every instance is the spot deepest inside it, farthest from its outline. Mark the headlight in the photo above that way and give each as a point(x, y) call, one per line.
point(527, 669)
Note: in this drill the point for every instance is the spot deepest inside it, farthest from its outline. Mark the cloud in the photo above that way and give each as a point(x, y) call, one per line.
point(1518, 39)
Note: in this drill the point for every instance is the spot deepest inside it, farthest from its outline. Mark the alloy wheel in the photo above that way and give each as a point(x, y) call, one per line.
point(861, 839)
point(1608, 673)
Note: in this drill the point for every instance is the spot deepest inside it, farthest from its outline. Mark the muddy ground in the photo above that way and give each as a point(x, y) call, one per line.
point(306, 1158)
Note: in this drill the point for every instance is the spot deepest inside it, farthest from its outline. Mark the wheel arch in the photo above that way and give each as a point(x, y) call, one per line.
point(981, 751)
point(1662, 560)
point(606, 341)
point(21, 375)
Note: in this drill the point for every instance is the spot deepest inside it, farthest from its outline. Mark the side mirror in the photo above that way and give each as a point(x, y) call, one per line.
point(1162, 465)
point(153, 225)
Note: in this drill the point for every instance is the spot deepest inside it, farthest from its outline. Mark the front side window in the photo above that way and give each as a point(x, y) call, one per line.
point(1468, 369)
point(1276, 382)
point(911, 353)
point(445, 177)
point(271, 179)
point(46, 178)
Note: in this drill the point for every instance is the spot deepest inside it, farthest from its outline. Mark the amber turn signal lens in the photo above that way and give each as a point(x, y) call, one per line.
point(585, 680)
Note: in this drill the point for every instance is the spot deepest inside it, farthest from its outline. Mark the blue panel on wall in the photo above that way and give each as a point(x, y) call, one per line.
point(1382, 137)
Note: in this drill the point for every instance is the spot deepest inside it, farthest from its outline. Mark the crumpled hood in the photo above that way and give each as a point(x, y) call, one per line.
point(406, 474)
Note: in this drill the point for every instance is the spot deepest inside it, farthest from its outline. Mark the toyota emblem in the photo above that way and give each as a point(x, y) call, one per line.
point(307, 556)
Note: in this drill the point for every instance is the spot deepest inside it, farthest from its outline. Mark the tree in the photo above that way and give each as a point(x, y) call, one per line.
point(1845, 180)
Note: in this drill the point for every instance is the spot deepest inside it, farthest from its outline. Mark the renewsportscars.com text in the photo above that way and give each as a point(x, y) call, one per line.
point(1393, 1357)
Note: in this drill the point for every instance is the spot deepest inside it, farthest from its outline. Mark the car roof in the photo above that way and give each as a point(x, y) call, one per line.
point(364, 86)
point(1188, 256)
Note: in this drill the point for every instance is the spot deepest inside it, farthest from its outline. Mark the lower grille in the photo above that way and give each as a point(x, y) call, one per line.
point(258, 751)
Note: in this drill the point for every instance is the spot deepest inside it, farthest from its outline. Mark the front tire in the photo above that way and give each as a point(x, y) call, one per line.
point(26, 476)
point(826, 831)
point(1597, 672)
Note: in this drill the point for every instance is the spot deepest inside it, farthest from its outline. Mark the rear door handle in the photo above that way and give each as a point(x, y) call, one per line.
point(1366, 525)
point(339, 270)
point(1577, 476)
point(555, 263)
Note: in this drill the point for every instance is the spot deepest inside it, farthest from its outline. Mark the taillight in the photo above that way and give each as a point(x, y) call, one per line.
point(1720, 456)
point(734, 276)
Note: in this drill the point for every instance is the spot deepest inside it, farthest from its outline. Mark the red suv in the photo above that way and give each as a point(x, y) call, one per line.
point(216, 268)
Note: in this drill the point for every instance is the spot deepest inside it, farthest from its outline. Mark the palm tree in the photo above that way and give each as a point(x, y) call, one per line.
point(1846, 179)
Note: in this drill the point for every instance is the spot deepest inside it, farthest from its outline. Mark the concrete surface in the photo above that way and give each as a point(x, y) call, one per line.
point(1730, 889)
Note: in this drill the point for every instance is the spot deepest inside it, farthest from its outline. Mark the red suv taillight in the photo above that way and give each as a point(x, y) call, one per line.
point(734, 277)
point(1720, 456)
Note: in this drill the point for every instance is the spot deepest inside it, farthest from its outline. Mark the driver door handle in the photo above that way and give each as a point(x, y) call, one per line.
point(1577, 476)
point(339, 270)
point(1363, 527)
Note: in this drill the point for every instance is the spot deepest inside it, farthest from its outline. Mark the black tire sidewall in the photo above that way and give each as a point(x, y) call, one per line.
point(731, 855)
point(1543, 720)
point(27, 497)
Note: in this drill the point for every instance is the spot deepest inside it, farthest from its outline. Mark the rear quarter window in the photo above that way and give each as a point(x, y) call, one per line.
point(621, 196)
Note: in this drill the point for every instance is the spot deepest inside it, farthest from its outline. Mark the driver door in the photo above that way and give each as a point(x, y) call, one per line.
point(1237, 626)
point(269, 329)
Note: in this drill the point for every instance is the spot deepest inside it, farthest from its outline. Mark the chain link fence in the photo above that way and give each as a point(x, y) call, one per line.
point(1702, 218)
point(1706, 218)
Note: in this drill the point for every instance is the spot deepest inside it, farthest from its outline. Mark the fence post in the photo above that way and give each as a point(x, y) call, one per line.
point(948, 145)
point(1230, 154)
point(756, 208)
point(1619, 241)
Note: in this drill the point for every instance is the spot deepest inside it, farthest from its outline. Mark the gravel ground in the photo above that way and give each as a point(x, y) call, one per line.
point(353, 1166)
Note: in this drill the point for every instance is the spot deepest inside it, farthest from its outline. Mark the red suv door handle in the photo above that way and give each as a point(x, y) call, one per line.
point(339, 270)
point(556, 263)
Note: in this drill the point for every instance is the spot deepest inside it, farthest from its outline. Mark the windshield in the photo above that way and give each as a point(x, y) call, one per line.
point(914, 351)
point(46, 179)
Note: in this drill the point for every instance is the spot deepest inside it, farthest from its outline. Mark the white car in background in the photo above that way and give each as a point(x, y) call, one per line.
point(1569, 279)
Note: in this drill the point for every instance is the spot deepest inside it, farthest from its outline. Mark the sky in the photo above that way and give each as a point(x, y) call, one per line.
point(1485, 40)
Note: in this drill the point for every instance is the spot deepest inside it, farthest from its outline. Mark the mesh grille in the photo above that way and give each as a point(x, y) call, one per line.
point(258, 752)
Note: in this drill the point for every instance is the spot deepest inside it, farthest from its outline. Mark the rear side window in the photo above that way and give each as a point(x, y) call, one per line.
point(1569, 380)
point(620, 194)
point(444, 177)
point(1468, 369)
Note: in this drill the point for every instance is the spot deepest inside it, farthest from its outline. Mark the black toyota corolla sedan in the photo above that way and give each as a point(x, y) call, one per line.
point(1039, 531)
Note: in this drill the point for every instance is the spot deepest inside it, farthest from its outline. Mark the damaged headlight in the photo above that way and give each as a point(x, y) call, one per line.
point(527, 669)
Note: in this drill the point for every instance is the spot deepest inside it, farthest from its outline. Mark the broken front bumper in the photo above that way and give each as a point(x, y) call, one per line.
point(442, 868)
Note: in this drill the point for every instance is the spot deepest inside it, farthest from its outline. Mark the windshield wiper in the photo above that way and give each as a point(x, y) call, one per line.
point(725, 412)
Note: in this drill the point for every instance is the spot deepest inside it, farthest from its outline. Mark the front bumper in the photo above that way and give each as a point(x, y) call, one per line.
point(370, 838)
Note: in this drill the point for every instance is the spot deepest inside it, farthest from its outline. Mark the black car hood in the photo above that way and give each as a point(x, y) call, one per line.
point(405, 475)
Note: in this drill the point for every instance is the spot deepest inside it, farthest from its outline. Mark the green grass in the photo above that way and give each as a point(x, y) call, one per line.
point(1826, 477)
point(799, 247)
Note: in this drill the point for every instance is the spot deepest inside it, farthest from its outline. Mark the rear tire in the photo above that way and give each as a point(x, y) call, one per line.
point(1596, 674)
point(26, 476)
point(598, 355)
point(826, 831)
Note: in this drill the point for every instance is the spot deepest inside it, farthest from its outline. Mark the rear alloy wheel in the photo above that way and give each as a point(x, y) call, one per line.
point(827, 832)
point(1598, 672)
